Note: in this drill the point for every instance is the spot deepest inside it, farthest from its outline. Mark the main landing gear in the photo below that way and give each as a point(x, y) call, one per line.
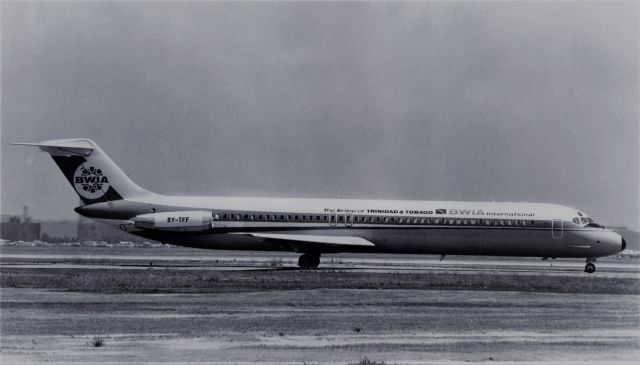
point(309, 261)
point(590, 268)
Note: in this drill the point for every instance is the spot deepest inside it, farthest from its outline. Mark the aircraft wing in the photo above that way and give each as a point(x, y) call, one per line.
point(322, 240)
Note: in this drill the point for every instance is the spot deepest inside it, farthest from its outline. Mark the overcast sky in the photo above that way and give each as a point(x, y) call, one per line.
point(443, 101)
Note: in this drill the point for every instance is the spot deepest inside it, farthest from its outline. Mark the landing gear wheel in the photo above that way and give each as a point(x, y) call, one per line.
point(590, 268)
point(309, 261)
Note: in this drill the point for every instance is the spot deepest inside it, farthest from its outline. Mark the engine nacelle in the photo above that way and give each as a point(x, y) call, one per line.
point(186, 221)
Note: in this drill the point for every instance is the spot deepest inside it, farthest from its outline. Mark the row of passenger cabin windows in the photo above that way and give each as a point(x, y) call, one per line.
point(348, 219)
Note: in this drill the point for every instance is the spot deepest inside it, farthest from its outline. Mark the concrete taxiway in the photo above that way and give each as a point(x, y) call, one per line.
point(182, 306)
point(185, 258)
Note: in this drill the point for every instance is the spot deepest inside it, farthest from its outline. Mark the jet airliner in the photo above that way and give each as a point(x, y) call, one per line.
point(312, 227)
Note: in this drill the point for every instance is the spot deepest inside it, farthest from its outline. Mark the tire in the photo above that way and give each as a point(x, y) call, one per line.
point(309, 261)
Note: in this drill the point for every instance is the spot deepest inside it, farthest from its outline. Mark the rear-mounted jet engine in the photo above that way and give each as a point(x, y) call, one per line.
point(187, 221)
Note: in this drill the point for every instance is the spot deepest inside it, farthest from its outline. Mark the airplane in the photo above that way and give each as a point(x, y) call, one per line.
point(318, 226)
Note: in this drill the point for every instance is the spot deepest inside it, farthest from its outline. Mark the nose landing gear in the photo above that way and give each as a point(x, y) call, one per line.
point(309, 261)
point(590, 267)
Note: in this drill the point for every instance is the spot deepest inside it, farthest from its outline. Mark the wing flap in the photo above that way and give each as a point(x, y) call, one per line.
point(325, 240)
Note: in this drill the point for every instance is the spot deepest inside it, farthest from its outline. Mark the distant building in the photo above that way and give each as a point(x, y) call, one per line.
point(90, 230)
point(17, 228)
point(59, 231)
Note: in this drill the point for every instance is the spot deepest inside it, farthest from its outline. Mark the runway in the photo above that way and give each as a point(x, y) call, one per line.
point(183, 306)
point(119, 258)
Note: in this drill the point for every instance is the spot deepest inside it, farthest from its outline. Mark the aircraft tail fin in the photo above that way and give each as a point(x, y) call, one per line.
point(92, 174)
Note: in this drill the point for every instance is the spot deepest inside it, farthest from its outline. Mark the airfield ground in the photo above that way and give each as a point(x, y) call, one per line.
point(176, 305)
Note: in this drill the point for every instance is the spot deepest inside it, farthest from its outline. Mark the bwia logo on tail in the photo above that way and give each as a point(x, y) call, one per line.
point(90, 182)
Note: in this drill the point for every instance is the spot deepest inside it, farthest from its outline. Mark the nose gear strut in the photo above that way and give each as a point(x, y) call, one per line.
point(590, 267)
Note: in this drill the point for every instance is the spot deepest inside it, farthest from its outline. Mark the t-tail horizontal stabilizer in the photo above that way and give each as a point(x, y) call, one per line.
point(93, 175)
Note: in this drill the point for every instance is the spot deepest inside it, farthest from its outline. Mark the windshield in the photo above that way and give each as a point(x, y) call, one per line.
point(585, 221)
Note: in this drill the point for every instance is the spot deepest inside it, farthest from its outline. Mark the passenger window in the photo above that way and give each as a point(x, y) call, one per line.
point(340, 218)
point(473, 222)
point(421, 220)
point(533, 223)
point(377, 219)
point(393, 219)
point(224, 216)
point(324, 218)
point(216, 217)
point(318, 218)
point(458, 221)
point(260, 217)
point(516, 222)
point(304, 218)
point(524, 223)
point(436, 220)
point(465, 222)
point(428, 220)
point(415, 220)
point(386, 219)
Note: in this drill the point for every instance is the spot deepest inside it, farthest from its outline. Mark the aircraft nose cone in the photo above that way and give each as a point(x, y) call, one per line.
point(624, 244)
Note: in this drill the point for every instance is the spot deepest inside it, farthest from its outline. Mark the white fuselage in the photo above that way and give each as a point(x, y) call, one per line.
point(428, 227)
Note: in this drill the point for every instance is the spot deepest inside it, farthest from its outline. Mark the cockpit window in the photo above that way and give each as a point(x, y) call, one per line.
point(585, 221)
